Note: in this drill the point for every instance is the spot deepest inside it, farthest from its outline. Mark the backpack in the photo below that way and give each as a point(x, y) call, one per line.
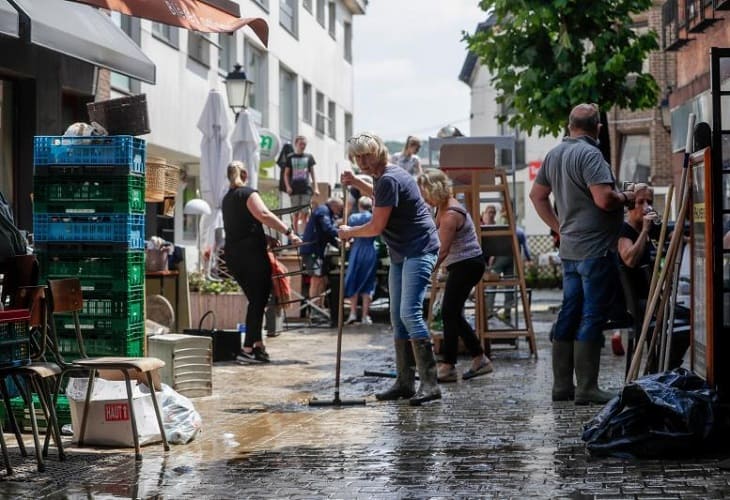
point(12, 242)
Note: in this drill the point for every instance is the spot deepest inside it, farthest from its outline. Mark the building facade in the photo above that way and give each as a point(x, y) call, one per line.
point(303, 84)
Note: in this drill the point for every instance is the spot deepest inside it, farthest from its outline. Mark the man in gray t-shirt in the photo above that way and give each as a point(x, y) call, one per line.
point(588, 220)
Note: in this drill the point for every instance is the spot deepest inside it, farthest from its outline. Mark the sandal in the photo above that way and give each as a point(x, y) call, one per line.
point(447, 375)
point(484, 368)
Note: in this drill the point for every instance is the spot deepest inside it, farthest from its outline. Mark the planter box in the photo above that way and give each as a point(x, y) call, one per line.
point(229, 308)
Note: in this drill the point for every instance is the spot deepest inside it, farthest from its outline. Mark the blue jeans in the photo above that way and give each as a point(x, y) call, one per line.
point(589, 286)
point(407, 282)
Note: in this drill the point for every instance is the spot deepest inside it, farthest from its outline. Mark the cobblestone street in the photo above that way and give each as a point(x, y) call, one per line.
point(496, 436)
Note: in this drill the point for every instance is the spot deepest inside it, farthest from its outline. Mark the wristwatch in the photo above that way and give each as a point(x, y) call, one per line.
point(288, 231)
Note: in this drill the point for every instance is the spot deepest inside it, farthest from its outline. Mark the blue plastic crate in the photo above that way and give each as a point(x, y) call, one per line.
point(127, 229)
point(110, 150)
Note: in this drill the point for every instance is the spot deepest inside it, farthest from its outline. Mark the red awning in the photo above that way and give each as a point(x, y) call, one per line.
point(205, 16)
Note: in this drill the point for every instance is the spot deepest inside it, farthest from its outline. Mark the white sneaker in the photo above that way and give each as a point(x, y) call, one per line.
point(351, 320)
point(367, 321)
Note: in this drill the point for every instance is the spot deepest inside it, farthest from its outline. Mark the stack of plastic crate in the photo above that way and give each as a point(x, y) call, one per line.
point(89, 217)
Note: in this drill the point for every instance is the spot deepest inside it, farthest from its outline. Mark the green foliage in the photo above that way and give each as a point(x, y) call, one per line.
point(270, 198)
point(546, 56)
point(546, 276)
point(198, 283)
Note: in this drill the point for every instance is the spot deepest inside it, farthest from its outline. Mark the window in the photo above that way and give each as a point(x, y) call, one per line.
point(256, 70)
point(320, 12)
point(321, 118)
point(332, 15)
point(264, 4)
point(287, 104)
point(307, 102)
point(199, 48)
point(288, 15)
point(131, 26)
point(307, 5)
point(168, 34)
point(331, 123)
point(348, 125)
point(226, 52)
point(348, 130)
point(635, 163)
point(347, 28)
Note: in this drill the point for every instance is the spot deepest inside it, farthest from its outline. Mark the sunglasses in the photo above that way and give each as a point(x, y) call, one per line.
point(359, 138)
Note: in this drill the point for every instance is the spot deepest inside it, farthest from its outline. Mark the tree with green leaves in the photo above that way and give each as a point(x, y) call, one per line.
point(548, 55)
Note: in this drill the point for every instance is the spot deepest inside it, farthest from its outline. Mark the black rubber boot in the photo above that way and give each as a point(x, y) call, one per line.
point(428, 388)
point(563, 388)
point(587, 359)
point(405, 381)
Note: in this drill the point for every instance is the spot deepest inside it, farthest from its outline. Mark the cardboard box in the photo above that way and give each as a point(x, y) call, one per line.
point(109, 420)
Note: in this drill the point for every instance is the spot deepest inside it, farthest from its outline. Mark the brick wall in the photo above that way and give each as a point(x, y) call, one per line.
point(624, 122)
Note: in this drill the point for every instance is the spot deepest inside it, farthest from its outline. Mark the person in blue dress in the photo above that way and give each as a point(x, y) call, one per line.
point(363, 262)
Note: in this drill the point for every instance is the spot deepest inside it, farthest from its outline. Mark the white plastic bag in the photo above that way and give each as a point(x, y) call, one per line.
point(181, 421)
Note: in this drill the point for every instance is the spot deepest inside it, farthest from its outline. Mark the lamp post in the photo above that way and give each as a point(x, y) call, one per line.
point(238, 89)
point(198, 207)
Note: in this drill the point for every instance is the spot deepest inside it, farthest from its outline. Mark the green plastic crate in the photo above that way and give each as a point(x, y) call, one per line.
point(115, 312)
point(122, 272)
point(95, 194)
point(103, 343)
point(22, 416)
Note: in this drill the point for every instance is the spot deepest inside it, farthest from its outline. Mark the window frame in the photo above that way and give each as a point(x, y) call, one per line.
point(347, 41)
point(332, 119)
point(232, 56)
point(171, 38)
point(202, 43)
point(307, 102)
point(258, 73)
point(294, 6)
point(291, 85)
point(320, 118)
point(321, 18)
point(308, 6)
point(264, 4)
point(332, 19)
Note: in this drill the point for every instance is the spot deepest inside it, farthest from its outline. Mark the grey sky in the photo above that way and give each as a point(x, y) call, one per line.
point(408, 54)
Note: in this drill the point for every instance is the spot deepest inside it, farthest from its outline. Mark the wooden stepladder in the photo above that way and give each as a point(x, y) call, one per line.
point(471, 170)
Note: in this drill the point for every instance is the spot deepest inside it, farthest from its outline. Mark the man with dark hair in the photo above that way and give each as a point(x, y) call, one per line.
point(588, 220)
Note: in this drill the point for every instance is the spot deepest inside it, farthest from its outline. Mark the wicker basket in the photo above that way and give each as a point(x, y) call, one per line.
point(172, 179)
point(155, 179)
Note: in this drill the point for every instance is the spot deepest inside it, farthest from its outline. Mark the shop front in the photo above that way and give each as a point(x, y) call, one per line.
point(50, 55)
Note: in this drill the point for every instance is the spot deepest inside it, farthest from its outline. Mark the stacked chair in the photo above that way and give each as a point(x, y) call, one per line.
point(89, 227)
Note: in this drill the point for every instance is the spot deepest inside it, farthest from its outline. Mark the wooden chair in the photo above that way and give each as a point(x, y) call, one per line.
point(34, 378)
point(66, 297)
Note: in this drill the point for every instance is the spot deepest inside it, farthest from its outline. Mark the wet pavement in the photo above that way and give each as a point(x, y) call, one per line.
point(496, 436)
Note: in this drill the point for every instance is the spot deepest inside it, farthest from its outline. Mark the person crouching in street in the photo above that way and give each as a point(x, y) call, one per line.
point(321, 230)
point(588, 220)
point(244, 215)
point(461, 254)
point(402, 217)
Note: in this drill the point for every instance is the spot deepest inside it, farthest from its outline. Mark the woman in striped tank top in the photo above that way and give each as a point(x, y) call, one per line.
point(461, 255)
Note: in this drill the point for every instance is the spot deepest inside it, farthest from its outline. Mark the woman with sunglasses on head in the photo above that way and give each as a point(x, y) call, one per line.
point(403, 219)
point(408, 158)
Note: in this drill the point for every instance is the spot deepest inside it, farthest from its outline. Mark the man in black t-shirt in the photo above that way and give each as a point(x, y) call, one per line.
point(297, 174)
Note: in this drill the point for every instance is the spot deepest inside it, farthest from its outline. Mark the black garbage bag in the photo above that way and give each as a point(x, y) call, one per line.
point(668, 414)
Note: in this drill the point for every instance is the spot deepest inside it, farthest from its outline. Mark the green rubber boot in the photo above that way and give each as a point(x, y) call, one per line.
point(563, 387)
point(587, 359)
point(405, 381)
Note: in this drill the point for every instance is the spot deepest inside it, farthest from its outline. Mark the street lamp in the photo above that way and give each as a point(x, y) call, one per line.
point(238, 89)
